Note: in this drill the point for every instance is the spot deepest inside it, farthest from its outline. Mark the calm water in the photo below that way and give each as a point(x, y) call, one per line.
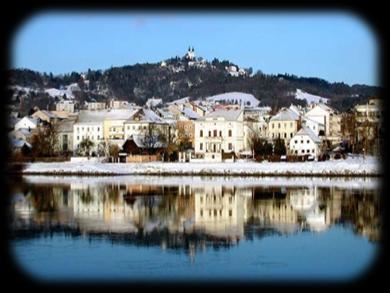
point(195, 228)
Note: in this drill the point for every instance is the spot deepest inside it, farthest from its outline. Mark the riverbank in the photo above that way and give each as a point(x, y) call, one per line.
point(356, 166)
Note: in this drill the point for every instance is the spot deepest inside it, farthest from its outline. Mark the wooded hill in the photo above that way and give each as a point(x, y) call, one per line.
point(175, 79)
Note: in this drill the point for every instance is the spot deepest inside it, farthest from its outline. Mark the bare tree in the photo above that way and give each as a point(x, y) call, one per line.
point(45, 141)
point(152, 138)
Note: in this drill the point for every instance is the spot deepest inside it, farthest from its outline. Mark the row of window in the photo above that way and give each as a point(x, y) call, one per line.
point(214, 147)
point(296, 141)
point(216, 213)
point(215, 133)
point(279, 125)
point(281, 136)
point(303, 151)
point(89, 137)
point(92, 128)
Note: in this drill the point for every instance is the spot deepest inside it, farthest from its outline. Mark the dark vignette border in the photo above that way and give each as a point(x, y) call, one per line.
point(374, 14)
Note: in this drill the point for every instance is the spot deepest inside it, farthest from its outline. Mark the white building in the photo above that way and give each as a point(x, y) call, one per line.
point(89, 125)
point(141, 121)
point(321, 113)
point(96, 105)
point(26, 123)
point(65, 105)
point(219, 131)
point(305, 142)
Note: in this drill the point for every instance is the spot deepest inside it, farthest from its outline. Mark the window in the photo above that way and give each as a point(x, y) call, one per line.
point(87, 128)
point(98, 137)
point(295, 141)
point(201, 213)
point(291, 124)
point(201, 133)
point(220, 133)
point(230, 213)
point(296, 152)
point(272, 126)
point(98, 128)
point(312, 151)
point(215, 132)
point(285, 135)
point(78, 137)
point(201, 146)
point(78, 129)
point(285, 125)
point(307, 151)
point(301, 141)
point(291, 135)
point(307, 141)
point(278, 125)
point(303, 151)
point(128, 127)
point(230, 132)
point(230, 147)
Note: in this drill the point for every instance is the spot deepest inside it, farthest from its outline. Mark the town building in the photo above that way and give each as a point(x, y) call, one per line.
point(66, 106)
point(284, 125)
point(305, 142)
point(219, 132)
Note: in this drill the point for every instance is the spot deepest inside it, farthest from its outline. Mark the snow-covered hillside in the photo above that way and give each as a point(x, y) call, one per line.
point(68, 91)
point(310, 99)
point(242, 99)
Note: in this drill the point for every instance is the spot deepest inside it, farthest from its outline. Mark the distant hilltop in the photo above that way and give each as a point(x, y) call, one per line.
point(178, 77)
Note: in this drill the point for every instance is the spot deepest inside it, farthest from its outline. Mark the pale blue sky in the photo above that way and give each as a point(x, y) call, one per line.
point(334, 46)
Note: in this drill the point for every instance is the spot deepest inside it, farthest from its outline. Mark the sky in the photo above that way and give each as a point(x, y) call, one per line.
point(335, 46)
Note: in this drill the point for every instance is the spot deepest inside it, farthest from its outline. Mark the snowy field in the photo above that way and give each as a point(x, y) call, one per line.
point(348, 167)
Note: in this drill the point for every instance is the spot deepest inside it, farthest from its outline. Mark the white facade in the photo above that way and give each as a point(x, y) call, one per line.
point(321, 113)
point(305, 142)
point(96, 105)
point(26, 123)
point(66, 106)
point(91, 130)
point(219, 131)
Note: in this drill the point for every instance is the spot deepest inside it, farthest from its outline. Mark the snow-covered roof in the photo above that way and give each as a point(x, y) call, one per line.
point(229, 115)
point(189, 113)
point(87, 116)
point(145, 115)
point(19, 143)
point(179, 101)
point(230, 97)
point(307, 131)
point(285, 115)
point(30, 119)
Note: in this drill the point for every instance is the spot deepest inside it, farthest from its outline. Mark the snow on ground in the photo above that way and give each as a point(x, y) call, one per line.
point(238, 181)
point(349, 166)
point(310, 99)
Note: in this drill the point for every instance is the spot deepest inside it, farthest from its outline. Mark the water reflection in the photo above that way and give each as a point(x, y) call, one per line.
point(189, 216)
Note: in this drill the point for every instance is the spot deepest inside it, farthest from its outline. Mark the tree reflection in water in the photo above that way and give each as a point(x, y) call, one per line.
point(187, 216)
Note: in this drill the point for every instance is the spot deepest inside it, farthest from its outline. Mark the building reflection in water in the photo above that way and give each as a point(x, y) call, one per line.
point(192, 216)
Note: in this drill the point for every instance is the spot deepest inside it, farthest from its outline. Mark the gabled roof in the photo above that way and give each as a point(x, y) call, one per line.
point(19, 143)
point(145, 115)
point(30, 119)
point(189, 113)
point(229, 115)
point(285, 114)
point(307, 131)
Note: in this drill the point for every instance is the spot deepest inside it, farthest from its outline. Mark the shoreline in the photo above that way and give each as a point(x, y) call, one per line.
point(352, 167)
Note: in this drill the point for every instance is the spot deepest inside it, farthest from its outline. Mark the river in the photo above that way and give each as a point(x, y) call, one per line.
point(162, 228)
